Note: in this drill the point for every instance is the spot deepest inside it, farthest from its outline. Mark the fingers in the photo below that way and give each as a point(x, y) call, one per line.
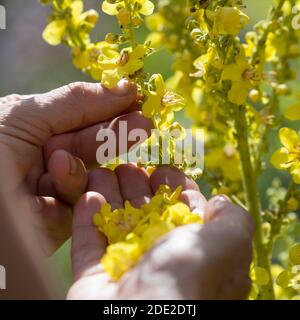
point(105, 182)
point(10, 99)
point(68, 176)
point(88, 245)
point(82, 104)
point(173, 177)
point(195, 200)
point(66, 109)
point(134, 184)
point(54, 222)
point(83, 143)
point(218, 254)
point(220, 208)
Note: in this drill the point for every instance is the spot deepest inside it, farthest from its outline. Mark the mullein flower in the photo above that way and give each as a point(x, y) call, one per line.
point(288, 157)
point(70, 13)
point(87, 59)
point(128, 11)
point(131, 232)
point(240, 74)
point(161, 102)
point(227, 20)
point(125, 64)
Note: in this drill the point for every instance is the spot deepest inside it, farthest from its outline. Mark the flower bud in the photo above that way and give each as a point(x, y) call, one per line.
point(282, 89)
point(254, 95)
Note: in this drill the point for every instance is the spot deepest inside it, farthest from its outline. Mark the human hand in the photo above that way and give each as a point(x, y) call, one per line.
point(209, 261)
point(50, 139)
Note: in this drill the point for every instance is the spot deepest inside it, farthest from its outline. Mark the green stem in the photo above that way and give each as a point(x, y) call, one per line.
point(264, 36)
point(130, 28)
point(253, 202)
point(281, 215)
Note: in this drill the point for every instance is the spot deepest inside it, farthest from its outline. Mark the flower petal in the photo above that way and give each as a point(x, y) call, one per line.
point(151, 105)
point(289, 138)
point(281, 159)
point(110, 8)
point(232, 72)
point(160, 85)
point(147, 8)
point(110, 78)
point(238, 93)
point(77, 7)
point(54, 32)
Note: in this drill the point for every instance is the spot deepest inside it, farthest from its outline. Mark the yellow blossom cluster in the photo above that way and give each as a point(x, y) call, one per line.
point(288, 157)
point(69, 23)
point(131, 232)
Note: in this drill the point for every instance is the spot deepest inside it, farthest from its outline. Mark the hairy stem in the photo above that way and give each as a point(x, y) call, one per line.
point(131, 28)
point(253, 202)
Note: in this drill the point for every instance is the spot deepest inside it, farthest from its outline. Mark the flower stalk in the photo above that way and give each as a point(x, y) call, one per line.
point(252, 198)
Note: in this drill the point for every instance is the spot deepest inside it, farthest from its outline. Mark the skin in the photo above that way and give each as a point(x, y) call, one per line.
point(49, 139)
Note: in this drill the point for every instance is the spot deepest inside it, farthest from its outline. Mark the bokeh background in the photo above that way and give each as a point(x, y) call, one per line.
point(28, 65)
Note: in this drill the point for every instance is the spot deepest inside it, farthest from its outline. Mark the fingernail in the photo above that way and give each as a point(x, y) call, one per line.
point(220, 201)
point(123, 88)
point(73, 166)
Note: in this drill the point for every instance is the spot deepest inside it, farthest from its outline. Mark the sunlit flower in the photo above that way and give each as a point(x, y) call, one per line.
point(161, 101)
point(122, 65)
point(71, 14)
point(226, 160)
point(288, 157)
point(227, 20)
point(240, 74)
point(131, 232)
point(128, 11)
point(87, 59)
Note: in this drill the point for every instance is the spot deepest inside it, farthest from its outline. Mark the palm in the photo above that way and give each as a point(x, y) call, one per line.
point(187, 253)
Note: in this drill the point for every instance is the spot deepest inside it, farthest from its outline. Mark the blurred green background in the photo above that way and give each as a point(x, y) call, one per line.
point(28, 65)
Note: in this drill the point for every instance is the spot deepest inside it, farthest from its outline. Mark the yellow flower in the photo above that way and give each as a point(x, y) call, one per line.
point(276, 46)
point(288, 157)
point(122, 65)
point(227, 20)
point(54, 32)
point(121, 257)
point(70, 17)
point(128, 11)
point(87, 60)
point(226, 160)
point(131, 232)
point(161, 102)
point(240, 74)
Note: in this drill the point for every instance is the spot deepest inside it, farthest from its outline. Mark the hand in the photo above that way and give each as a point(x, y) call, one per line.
point(49, 140)
point(209, 261)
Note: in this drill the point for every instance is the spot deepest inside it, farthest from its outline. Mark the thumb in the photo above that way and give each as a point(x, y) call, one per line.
point(75, 106)
point(88, 245)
